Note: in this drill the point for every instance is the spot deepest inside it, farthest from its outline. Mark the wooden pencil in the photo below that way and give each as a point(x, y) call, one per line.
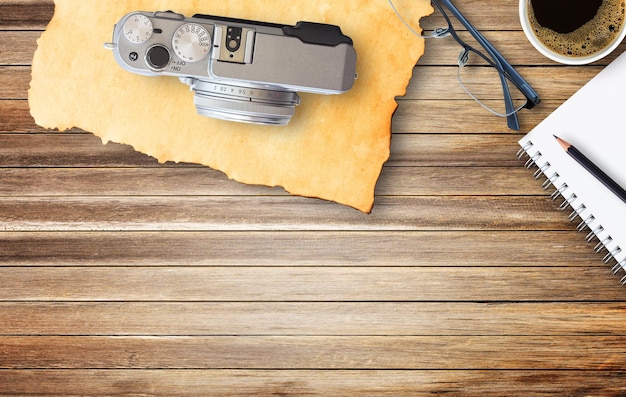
point(592, 169)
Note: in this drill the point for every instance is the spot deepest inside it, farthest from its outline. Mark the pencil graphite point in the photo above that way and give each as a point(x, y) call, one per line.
point(561, 142)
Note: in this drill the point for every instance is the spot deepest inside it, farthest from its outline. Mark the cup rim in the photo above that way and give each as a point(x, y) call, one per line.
point(548, 53)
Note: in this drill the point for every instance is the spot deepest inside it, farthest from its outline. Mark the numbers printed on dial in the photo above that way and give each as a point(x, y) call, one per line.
point(138, 29)
point(191, 42)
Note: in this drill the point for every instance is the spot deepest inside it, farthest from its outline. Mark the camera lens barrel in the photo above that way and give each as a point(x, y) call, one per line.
point(243, 104)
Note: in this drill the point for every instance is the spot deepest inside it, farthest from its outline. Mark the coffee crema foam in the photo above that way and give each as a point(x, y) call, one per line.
point(588, 39)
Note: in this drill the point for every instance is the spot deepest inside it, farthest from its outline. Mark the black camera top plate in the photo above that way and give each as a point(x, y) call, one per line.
point(307, 32)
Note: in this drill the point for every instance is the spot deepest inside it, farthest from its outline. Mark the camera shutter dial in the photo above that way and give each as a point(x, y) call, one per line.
point(191, 42)
point(138, 29)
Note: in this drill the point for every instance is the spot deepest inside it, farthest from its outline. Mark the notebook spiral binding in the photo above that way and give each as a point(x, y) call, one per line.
point(579, 211)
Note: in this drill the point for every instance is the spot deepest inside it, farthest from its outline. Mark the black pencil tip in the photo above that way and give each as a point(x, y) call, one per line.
point(561, 142)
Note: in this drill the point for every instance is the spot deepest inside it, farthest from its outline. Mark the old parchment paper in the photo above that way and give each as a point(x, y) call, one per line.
point(334, 147)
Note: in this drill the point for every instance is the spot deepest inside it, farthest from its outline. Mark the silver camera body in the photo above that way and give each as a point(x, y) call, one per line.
point(240, 70)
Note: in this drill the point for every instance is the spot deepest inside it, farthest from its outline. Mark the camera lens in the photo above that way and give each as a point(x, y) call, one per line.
point(158, 57)
point(243, 104)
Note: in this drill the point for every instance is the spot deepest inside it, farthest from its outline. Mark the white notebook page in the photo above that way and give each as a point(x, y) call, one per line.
point(594, 121)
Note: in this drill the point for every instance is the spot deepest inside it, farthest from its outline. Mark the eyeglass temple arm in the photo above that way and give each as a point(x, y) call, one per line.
point(511, 118)
point(518, 80)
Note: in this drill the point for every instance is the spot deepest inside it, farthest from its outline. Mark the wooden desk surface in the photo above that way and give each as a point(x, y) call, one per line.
point(122, 276)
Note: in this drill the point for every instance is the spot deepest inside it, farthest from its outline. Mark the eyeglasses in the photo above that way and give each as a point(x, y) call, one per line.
point(482, 74)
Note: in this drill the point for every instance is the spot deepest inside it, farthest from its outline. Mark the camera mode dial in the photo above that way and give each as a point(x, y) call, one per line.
point(138, 29)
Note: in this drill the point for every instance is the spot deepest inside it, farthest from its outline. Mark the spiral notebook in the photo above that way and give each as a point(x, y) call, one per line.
point(594, 121)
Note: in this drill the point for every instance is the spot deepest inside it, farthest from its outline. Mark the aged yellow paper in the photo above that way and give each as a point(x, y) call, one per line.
point(334, 147)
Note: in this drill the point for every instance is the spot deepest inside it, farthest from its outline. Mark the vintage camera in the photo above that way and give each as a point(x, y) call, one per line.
point(240, 70)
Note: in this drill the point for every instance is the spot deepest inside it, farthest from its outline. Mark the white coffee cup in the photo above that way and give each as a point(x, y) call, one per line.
point(555, 56)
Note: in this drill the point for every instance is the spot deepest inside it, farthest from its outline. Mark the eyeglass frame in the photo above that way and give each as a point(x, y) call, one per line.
point(504, 68)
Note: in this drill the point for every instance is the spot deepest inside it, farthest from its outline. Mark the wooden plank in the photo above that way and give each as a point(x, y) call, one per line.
point(424, 150)
point(278, 213)
point(376, 249)
point(279, 284)
point(413, 116)
point(311, 352)
point(15, 117)
point(460, 116)
point(153, 181)
point(66, 150)
point(483, 15)
point(508, 38)
point(17, 47)
point(452, 149)
point(25, 14)
point(202, 181)
point(15, 82)
point(338, 383)
point(552, 83)
point(307, 319)
point(428, 82)
point(511, 44)
point(35, 14)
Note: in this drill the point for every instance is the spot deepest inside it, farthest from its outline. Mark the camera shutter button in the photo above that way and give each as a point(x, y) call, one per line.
point(158, 57)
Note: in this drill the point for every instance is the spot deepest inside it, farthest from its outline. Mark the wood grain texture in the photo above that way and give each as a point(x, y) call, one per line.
point(25, 14)
point(277, 284)
point(122, 276)
point(63, 150)
point(312, 318)
point(427, 84)
point(199, 181)
point(277, 213)
point(313, 352)
point(295, 249)
point(314, 383)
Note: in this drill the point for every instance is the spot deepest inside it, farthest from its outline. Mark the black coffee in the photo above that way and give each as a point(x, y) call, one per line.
point(576, 27)
point(564, 16)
